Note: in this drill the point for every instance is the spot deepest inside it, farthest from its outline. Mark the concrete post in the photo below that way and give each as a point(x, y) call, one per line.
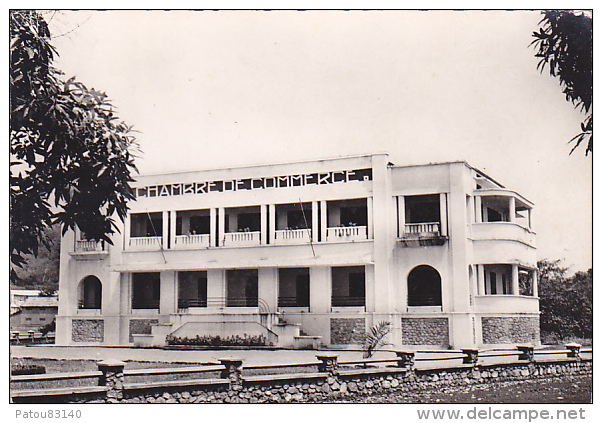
point(232, 371)
point(165, 224)
point(401, 216)
point(221, 226)
point(574, 350)
point(315, 218)
point(515, 286)
point(443, 213)
point(323, 220)
point(212, 226)
point(329, 364)
point(172, 229)
point(112, 377)
point(478, 209)
point(481, 279)
point(512, 210)
point(370, 214)
point(126, 231)
point(272, 223)
point(405, 359)
point(534, 291)
point(263, 237)
point(320, 289)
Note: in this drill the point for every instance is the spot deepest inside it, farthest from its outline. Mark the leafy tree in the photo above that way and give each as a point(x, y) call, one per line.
point(566, 303)
point(71, 158)
point(41, 272)
point(564, 44)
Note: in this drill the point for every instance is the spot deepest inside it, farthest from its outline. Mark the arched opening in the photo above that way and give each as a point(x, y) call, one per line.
point(90, 293)
point(424, 287)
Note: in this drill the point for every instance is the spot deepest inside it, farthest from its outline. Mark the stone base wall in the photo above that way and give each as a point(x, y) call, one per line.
point(87, 330)
point(140, 327)
point(347, 331)
point(510, 330)
point(425, 331)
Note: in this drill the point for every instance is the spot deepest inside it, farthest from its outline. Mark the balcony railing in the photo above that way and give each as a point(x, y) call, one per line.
point(146, 242)
point(242, 301)
point(85, 246)
point(346, 234)
point(422, 228)
point(192, 241)
point(420, 300)
point(241, 238)
point(293, 236)
point(189, 302)
point(345, 301)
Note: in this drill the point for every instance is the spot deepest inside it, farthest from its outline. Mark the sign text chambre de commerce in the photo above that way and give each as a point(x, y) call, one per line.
point(284, 181)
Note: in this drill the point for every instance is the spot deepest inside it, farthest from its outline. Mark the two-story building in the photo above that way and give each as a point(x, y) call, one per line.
point(324, 248)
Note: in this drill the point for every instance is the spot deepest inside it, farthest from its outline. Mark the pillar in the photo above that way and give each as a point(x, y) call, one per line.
point(401, 216)
point(232, 371)
point(272, 223)
point(370, 213)
point(329, 363)
point(481, 279)
point(165, 221)
point(323, 220)
point(263, 237)
point(112, 377)
point(126, 231)
point(512, 210)
point(478, 209)
point(515, 286)
point(212, 226)
point(172, 228)
point(320, 289)
point(216, 287)
point(221, 226)
point(531, 219)
point(443, 213)
point(315, 217)
point(168, 289)
point(267, 288)
point(534, 291)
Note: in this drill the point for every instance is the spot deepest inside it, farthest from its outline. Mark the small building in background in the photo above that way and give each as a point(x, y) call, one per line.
point(32, 312)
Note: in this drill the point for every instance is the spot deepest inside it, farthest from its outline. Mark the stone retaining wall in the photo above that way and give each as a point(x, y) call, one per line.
point(87, 330)
point(425, 331)
point(140, 327)
point(347, 331)
point(508, 330)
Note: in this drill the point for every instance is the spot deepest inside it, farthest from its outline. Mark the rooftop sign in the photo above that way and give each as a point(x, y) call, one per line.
point(285, 181)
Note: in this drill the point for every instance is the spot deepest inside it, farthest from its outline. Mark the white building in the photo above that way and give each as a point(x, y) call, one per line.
point(324, 248)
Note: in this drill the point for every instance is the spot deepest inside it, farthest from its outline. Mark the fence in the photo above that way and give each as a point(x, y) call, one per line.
point(229, 381)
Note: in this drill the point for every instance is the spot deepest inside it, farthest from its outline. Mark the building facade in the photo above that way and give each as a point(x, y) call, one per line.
point(320, 250)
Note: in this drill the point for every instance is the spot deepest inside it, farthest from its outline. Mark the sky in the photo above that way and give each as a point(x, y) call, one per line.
point(209, 89)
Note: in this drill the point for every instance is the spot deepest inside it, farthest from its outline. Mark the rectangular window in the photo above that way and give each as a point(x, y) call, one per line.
point(492, 283)
point(242, 288)
point(293, 287)
point(192, 289)
point(146, 224)
point(348, 286)
point(146, 290)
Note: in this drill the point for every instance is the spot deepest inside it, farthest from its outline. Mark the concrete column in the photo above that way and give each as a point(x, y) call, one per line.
point(512, 210)
point(172, 228)
point(263, 237)
point(481, 279)
point(267, 288)
point(370, 213)
point(113, 378)
point(320, 289)
point(531, 220)
point(272, 223)
point(515, 288)
point(216, 287)
point(168, 290)
point(443, 213)
point(323, 220)
point(401, 216)
point(534, 283)
point(315, 218)
point(125, 294)
point(127, 224)
point(165, 220)
point(221, 226)
point(478, 209)
point(212, 226)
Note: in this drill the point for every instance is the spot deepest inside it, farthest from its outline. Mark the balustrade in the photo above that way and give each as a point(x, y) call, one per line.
point(346, 233)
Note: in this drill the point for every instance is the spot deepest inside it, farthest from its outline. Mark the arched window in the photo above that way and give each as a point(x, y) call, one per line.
point(424, 287)
point(90, 293)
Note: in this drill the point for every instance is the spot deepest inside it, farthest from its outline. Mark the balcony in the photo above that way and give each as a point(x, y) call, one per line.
point(506, 304)
point(292, 236)
point(503, 231)
point(347, 234)
point(241, 239)
point(89, 250)
point(422, 234)
point(191, 242)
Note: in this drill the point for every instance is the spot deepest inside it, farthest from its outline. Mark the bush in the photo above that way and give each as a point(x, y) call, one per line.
point(218, 341)
point(27, 369)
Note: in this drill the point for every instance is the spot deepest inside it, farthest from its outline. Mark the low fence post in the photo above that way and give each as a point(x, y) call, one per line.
point(574, 350)
point(328, 364)
point(232, 371)
point(405, 359)
point(526, 353)
point(112, 377)
point(471, 356)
